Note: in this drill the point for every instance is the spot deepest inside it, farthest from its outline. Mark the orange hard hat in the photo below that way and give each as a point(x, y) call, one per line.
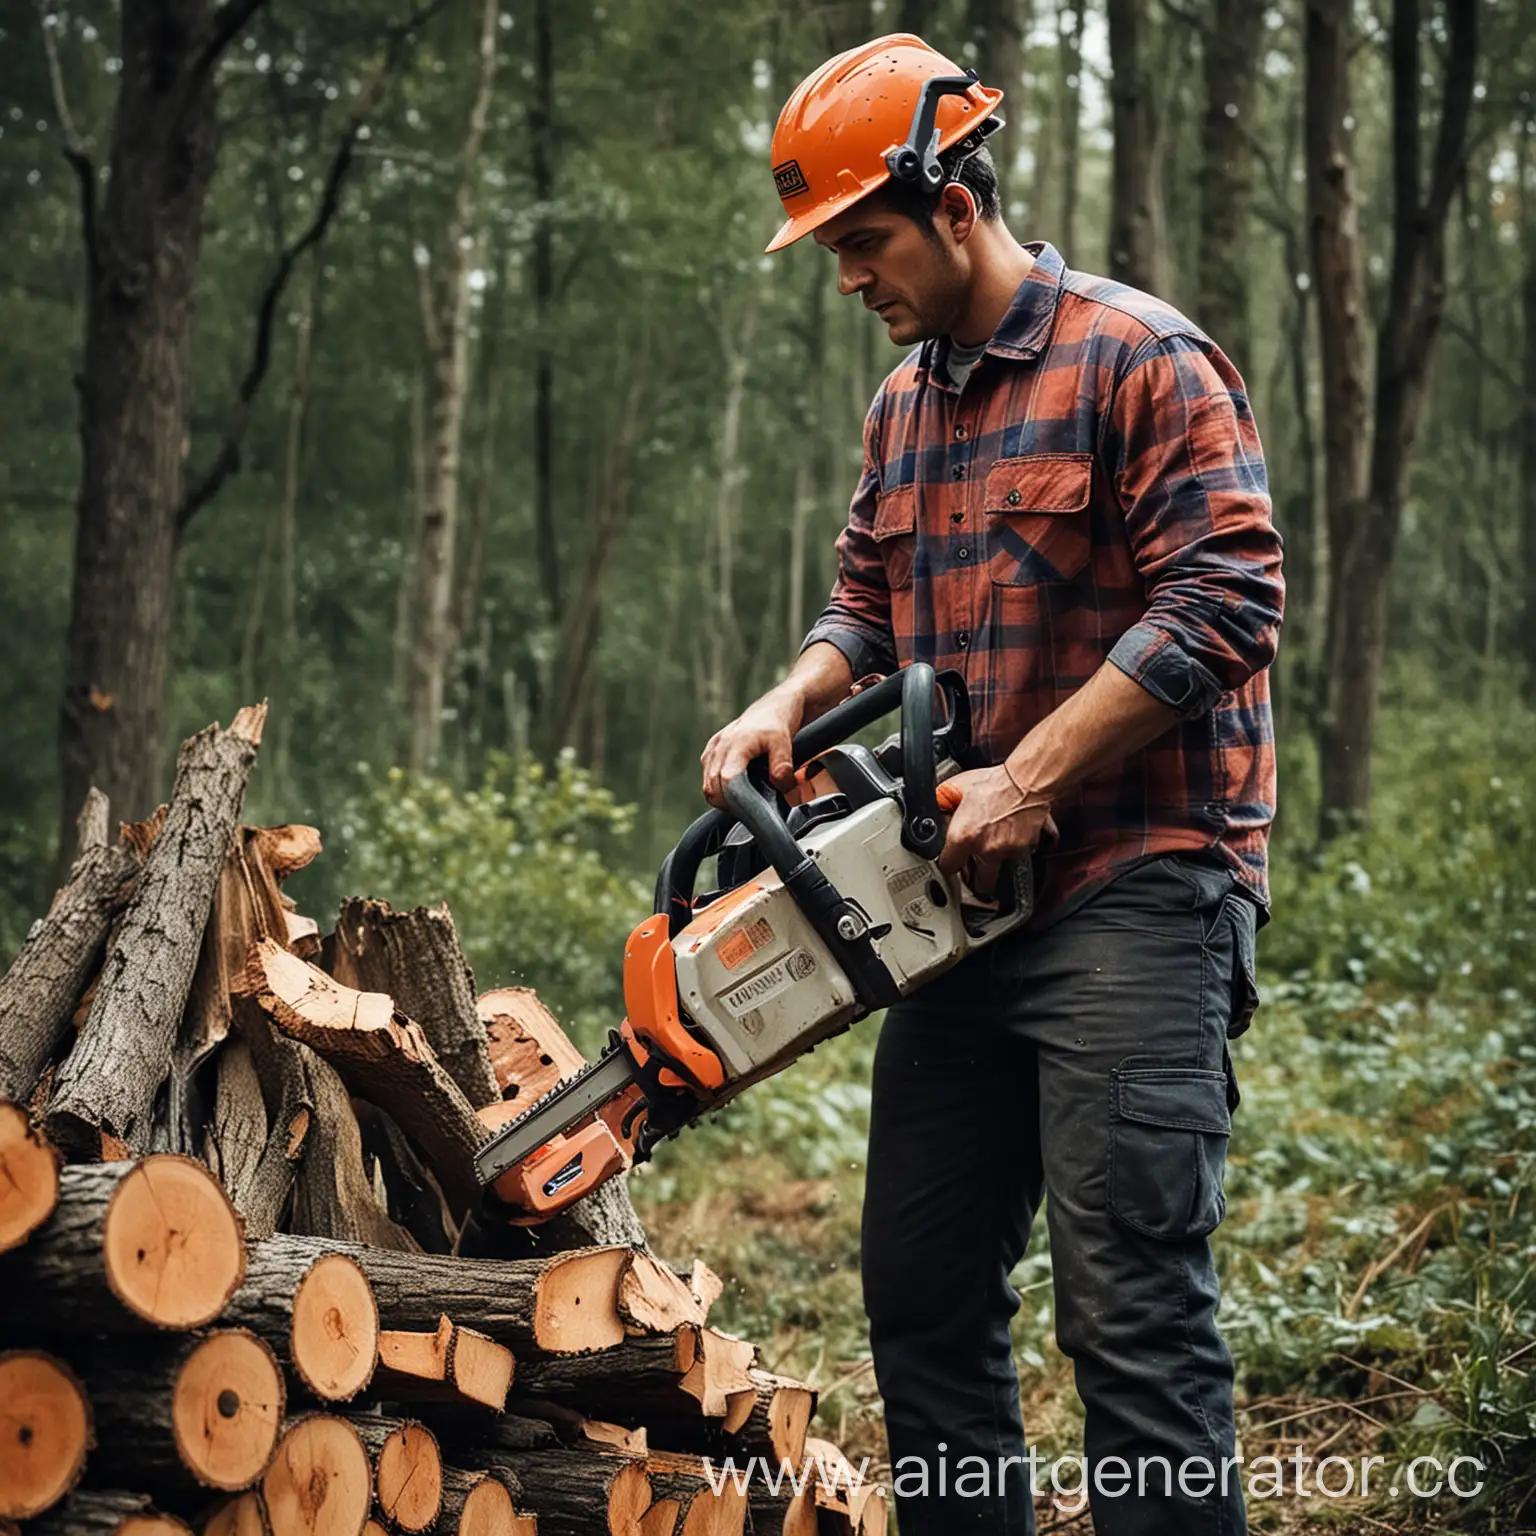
point(886, 109)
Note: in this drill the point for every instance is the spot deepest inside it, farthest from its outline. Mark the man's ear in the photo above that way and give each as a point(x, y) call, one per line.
point(957, 207)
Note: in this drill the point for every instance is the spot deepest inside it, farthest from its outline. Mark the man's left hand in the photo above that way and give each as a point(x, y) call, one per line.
point(992, 821)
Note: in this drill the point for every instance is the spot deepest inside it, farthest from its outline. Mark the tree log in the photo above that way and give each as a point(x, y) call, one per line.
point(45, 1427)
point(316, 1309)
point(206, 1413)
point(564, 1304)
point(449, 1364)
point(407, 1470)
point(530, 1052)
point(415, 958)
point(242, 1516)
point(637, 1378)
point(154, 1243)
point(415, 1197)
point(382, 1055)
point(774, 1427)
point(698, 1509)
point(332, 1194)
point(29, 1178)
point(575, 1493)
point(99, 1512)
point(655, 1299)
point(109, 1079)
point(482, 1504)
point(39, 992)
point(785, 1513)
point(320, 1482)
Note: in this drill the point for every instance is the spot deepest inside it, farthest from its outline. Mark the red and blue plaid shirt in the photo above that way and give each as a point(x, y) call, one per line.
point(1095, 492)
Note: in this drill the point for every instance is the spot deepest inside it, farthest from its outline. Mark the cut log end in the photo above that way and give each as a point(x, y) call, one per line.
point(629, 1496)
point(172, 1244)
point(408, 1480)
point(319, 1483)
point(227, 1409)
point(577, 1306)
point(335, 1336)
point(45, 1431)
point(152, 1525)
point(29, 1178)
point(489, 1511)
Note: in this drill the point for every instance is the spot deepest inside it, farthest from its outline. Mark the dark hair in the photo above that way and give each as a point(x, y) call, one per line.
point(970, 164)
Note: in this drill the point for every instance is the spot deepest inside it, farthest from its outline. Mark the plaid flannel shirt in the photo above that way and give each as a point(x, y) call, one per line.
point(1095, 492)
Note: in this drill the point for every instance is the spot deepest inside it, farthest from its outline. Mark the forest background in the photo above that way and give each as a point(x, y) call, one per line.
point(421, 372)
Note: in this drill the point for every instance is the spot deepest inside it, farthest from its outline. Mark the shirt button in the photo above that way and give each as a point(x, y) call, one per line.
point(957, 517)
point(960, 431)
point(963, 640)
point(963, 553)
point(958, 472)
point(1013, 497)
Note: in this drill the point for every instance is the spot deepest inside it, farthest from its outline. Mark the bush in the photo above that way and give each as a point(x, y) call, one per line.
point(527, 862)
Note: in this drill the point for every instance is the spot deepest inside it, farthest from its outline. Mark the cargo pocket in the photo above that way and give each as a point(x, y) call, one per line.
point(1169, 1128)
point(1037, 517)
point(895, 533)
point(1245, 976)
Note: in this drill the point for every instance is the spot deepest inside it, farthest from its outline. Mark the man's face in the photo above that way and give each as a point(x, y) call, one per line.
point(917, 283)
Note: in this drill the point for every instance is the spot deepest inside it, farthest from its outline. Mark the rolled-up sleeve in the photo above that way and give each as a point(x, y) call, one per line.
point(857, 618)
point(1189, 472)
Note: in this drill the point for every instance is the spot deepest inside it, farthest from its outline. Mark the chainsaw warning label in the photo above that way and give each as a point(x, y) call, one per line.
point(768, 983)
point(735, 949)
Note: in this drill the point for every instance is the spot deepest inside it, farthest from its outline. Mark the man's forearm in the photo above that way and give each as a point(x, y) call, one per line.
point(1105, 721)
point(820, 678)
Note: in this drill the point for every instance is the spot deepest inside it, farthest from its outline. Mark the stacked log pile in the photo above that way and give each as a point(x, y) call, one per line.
point(247, 1285)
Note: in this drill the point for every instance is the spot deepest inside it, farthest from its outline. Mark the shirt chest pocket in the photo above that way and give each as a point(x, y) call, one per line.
point(1037, 515)
point(895, 534)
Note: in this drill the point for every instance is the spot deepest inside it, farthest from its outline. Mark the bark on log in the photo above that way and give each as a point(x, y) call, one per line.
point(415, 958)
point(45, 1427)
point(785, 1513)
point(775, 1425)
point(316, 1310)
point(482, 1504)
point(564, 1304)
point(576, 1493)
point(153, 1244)
point(415, 1197)
point(109, 1079)
point(407, 1470)
point(381, 1054)
point(39, 992)
point(320, 1482)
point(449, 1364)
point(636, 1379)
point(206, 1413)
point(29, 1178)
point(332, 1195)
point(101, 1512)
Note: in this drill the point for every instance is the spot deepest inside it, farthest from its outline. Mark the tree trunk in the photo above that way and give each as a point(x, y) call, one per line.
point(1136, 212)
point(109, 1080)
point(1071, 53)
point(541, 149)
point(997, 29)
point(1364, 541)
point(39, 992)
point(445, 317)
point(1230, 64)
point(1528, 411)
point(143, 258)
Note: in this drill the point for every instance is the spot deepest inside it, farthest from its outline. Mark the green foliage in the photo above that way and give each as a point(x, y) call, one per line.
point(525, 861)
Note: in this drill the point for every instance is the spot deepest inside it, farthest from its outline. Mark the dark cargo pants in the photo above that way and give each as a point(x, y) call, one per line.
point(1087, 1062)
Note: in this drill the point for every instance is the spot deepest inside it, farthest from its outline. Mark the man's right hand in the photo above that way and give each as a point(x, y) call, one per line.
point(764, 727)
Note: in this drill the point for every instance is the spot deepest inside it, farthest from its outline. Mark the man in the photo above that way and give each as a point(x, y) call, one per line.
point(1063, 497)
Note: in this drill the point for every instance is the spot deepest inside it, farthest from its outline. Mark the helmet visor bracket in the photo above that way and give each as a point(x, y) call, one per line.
point(917, 161)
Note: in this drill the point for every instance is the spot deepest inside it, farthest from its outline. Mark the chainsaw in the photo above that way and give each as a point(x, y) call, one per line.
point(826, 910)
